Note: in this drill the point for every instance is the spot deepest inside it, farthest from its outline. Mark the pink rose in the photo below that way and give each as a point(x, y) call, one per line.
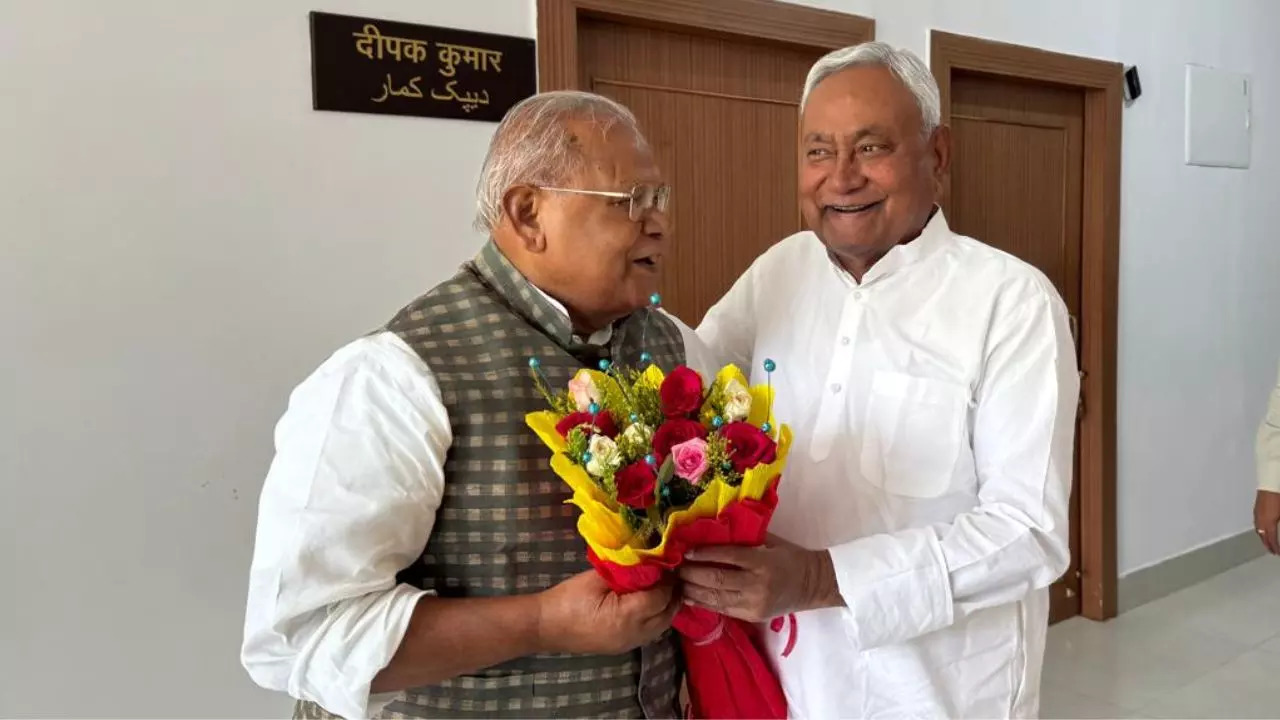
point(690, 458)
point(583, 390)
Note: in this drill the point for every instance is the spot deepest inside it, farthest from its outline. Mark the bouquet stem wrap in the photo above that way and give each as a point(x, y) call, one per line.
point(728, 673)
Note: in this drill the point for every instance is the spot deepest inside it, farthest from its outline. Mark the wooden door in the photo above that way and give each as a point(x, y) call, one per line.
point(1017, 184)
point(721, 114)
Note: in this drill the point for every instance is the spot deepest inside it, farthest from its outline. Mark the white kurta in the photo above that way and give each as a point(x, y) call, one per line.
point(934, 411)
point(349, 501)
point(1269, 445)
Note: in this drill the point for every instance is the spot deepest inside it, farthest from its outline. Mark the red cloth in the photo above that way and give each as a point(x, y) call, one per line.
point(729, 676)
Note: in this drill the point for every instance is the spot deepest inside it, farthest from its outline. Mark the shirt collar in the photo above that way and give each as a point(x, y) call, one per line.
point(935, 234)
point(530, 301)
point(599, 337)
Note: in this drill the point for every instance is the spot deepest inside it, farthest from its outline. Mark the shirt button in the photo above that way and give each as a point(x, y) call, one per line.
point(845, 340)
point(836, 388)
point(857, 295)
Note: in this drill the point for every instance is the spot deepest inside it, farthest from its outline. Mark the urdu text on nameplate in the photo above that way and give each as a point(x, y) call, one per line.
point(394, 68)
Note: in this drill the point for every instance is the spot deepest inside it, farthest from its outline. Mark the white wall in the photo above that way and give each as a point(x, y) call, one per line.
point(182, 239)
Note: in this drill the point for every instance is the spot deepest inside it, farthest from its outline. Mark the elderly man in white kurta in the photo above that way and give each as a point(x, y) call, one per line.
point(414, 553)
point(931, 381)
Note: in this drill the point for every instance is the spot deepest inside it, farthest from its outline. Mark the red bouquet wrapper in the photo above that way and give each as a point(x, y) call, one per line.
point(728, 673)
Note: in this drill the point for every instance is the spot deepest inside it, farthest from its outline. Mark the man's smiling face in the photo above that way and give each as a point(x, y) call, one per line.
point(869, 176)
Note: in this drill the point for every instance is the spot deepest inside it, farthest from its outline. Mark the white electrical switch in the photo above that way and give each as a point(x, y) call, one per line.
point(1218, 103)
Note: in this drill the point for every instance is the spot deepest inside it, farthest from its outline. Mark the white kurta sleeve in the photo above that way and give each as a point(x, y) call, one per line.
point(698, 355)
point(1269, 445)
point(1015, 540)
point(349, 501)
point(729, 327)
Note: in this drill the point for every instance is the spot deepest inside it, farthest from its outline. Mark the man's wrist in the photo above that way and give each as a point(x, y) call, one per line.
point(539, 635)
point(824, 589)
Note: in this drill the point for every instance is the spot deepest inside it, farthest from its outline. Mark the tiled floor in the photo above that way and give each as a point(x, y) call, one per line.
point(1210, 651)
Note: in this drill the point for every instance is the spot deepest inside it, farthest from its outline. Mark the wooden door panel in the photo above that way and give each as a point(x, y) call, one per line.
point(721, 218)
point(1007, 125)
point(1017, 183)
point(1009, 191)
point(721, 115)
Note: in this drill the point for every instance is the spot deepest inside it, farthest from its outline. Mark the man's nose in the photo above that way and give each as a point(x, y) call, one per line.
point(848, 176)
point(656, 224)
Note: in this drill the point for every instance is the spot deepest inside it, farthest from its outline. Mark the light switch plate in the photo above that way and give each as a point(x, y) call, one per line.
point(1218, 117)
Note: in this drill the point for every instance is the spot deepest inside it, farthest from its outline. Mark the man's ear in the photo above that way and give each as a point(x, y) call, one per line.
point(522, 205)
point(940, 150)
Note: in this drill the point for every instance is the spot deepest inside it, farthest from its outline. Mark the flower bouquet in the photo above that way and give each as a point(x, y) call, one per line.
point(660, 464)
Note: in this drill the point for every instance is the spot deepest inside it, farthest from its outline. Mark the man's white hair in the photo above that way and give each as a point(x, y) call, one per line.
point(904, 64)
point(533, 145)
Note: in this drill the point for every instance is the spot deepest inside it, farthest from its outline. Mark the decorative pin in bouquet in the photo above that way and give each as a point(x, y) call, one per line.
point(660, 464)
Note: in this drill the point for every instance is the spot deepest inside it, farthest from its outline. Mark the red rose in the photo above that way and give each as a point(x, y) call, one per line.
point(681, 392)
point(602, 422)
point(748, 446)
point(635, 484)
point(674, 432)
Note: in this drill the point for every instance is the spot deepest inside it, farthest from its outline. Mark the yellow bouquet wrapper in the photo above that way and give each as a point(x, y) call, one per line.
point(603, 524)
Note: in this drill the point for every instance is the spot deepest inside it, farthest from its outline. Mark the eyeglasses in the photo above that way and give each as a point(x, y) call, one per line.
point(644, 198)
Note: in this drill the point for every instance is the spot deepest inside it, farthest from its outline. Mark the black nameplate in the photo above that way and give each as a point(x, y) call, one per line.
point(393, 68)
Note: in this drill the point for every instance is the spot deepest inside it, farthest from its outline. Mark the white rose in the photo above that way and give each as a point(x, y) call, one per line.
point(737, 401)
point(604, 456)
point(638, 434)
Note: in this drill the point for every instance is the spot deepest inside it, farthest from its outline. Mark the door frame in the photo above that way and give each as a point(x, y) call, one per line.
point(795, 25)
point(1102, 84)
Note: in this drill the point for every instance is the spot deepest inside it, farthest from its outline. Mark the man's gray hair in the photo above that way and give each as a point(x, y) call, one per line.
point(533, 144)
point(904, 64)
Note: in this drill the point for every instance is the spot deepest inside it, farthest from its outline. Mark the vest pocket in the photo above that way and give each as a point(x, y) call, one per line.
point(913, 433)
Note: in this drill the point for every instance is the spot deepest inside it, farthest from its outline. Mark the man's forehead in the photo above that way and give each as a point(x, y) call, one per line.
point(617, 154)
point(857, 101)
